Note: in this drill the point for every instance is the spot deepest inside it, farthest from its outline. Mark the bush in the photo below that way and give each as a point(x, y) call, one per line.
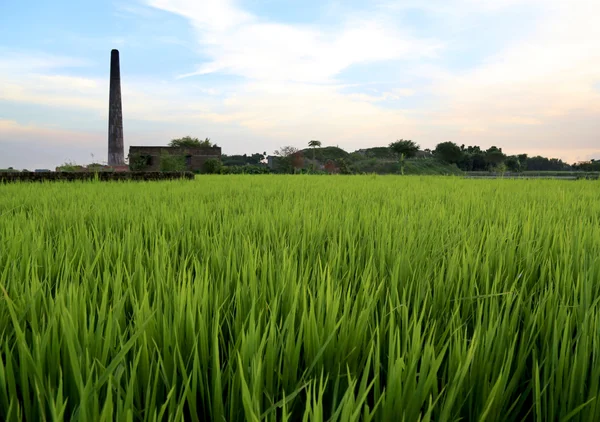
point(138, 162)
point(213, 166)
point(170, 162)
point(245, 170)
point(343, 166)
point(104, 176)
point(325, 153)
point(69, 167)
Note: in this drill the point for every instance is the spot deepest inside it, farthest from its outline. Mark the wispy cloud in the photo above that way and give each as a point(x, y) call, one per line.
point(239, 43)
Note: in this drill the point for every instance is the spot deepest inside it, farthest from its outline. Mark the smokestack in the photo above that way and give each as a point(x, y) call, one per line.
point(116, 155)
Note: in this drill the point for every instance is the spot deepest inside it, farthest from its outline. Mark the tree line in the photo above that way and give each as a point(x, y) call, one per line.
point(290, 159)
point(465, 158)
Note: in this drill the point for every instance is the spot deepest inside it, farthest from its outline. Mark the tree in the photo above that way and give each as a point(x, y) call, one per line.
point(285, 151)
point(478, 162)
point(212, 166)
point(343, 166)
point(404, 148)
point(523, 161)
point(257, 158)
point(494, 156)
point(592, 165)
point(297, 161)
point(512, 163)
point(189, 142)
point(289, 158)
point(449, 152)
point(314, 144)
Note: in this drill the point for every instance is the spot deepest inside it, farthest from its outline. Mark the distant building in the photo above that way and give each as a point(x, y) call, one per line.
point(43, 170)
point(148, 158)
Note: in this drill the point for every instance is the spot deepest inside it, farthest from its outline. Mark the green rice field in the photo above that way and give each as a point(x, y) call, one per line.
point(300, 298)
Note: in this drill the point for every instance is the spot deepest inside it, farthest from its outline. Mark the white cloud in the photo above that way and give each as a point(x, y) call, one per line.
point(550, 74)
point(542, 80)
point(536, 93)
point(239, 43)
point(142, 99)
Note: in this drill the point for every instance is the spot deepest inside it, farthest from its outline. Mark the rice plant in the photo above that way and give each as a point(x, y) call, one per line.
point(284, 298)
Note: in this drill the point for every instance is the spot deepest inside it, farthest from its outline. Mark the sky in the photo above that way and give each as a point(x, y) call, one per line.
point(255, 75)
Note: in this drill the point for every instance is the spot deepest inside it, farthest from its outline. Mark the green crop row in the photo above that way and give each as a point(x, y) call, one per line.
point(282, 298)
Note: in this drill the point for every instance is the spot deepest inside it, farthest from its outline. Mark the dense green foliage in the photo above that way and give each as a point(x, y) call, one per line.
point(589, 166)
point(172, 162)
point(213, 166)
point(242, 160)
point(473, 158)
point(277, 297)
point(247, 169)
point(190, 142)
point(379, 152)
point(138, 162)
point(323, 154)
point(421, 166)
point(404, 148)
point(449, 152)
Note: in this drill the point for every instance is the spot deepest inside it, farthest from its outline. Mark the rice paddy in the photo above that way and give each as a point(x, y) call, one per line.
point(280, 298)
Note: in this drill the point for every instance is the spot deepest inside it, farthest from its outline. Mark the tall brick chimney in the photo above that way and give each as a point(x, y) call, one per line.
point(116, 155)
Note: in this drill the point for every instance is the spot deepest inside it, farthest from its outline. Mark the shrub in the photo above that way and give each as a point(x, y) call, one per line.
point(169, 162)
point(213, 166)
point(245, 170)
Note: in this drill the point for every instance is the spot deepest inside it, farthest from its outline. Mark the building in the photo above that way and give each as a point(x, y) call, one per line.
point(271, 160)
point(144, 158)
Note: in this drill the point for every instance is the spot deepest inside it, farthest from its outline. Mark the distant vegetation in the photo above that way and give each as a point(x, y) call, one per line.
point(189, 142)
point(399, 157)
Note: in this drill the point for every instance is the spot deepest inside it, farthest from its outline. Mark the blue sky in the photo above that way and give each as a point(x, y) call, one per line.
point(254, 75)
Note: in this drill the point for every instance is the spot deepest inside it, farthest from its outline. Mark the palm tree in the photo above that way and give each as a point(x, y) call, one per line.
point(314, 144)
